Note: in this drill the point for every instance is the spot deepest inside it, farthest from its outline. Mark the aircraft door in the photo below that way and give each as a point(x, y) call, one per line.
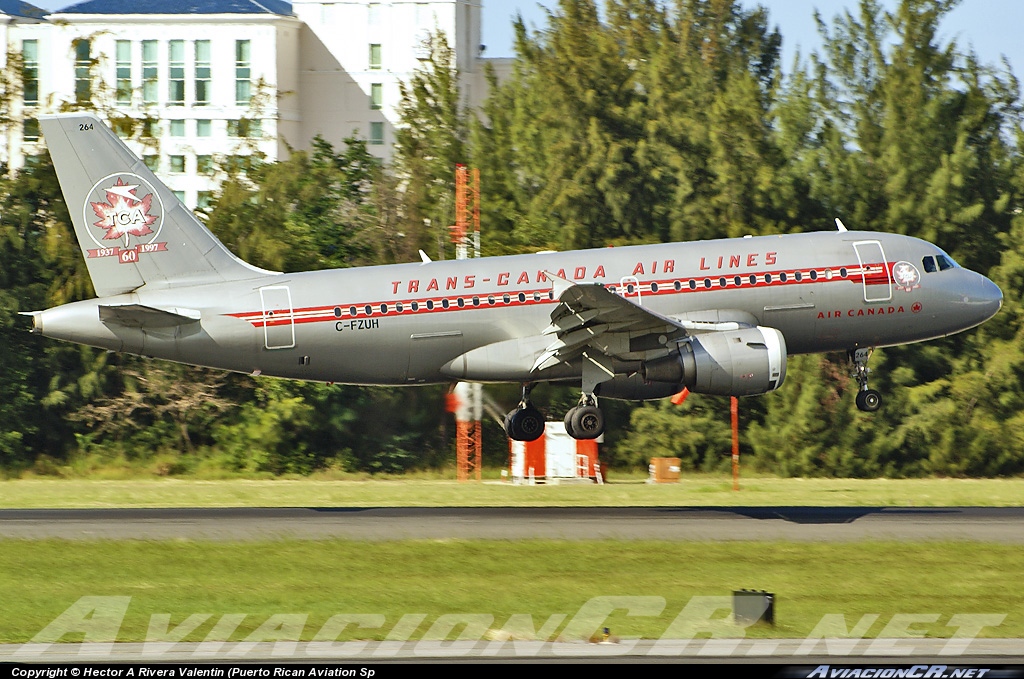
point(877, 283)
point(629, 287)
point(278, 317)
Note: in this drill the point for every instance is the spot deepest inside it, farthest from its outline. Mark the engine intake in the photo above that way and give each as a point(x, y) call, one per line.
point(731, 363)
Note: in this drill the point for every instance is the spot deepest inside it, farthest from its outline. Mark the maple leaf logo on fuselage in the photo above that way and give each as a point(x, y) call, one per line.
point(124, 214)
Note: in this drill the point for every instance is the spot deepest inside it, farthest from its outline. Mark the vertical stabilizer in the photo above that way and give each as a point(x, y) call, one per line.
point(132, 229)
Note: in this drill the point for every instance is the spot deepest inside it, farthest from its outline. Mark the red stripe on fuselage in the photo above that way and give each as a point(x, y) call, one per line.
point(869, 275)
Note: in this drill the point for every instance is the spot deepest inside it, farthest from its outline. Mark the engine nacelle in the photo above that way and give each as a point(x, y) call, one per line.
point(635, 388)
point(732, 363)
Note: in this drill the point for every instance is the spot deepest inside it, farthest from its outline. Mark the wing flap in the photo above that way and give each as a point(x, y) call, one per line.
point(593, 322)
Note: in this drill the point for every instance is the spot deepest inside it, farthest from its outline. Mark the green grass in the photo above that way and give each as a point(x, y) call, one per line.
point(693, 491)
point(41, 579)
point(319, 579)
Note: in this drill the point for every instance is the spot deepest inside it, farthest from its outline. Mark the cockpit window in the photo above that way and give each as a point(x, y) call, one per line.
point(929, 264)
point(945, 262)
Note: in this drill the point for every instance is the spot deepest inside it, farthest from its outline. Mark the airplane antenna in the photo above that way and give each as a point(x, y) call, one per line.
point(839, 223)
point(424, 257)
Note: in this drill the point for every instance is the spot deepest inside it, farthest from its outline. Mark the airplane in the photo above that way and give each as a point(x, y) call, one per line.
point(637, 322)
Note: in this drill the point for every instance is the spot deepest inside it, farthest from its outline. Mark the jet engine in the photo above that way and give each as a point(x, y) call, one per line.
point(727, 363)
point(634, 388)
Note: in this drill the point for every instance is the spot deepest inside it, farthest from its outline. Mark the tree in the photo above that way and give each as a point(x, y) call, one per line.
point(429, 142)
point(304, 213)
point(652, 124)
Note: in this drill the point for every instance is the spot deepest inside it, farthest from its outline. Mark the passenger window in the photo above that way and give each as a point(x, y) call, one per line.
point(929, 264)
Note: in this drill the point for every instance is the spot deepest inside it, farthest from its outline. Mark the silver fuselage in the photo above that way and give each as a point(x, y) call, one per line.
point(406, 323)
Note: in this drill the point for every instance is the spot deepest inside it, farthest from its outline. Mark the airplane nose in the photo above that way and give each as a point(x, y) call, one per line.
point(972, 299)
point(981, 300)
point(991, 296)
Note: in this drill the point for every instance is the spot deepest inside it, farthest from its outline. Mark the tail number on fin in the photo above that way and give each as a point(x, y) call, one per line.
point(126, 206)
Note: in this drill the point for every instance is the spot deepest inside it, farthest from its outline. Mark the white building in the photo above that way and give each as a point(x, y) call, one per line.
point(197, 87)
point(355, 52)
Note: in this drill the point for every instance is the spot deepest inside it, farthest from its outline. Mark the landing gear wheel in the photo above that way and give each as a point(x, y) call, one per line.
point(524, 424)
point(568, 422)
point(587, 422)
point(869, 400)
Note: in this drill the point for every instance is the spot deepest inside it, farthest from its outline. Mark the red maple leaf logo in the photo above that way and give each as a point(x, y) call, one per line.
point(124, 214)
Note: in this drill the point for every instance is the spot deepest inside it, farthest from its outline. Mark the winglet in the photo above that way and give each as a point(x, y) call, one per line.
point(558, 284)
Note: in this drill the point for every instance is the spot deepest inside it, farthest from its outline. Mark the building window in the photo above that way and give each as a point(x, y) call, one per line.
point(177, 128)
point(176, 72)
point(152, 162)
point(376, 96)
point(180, 195)
point(150, 128)
point(376, 133)
point(234, 165)
point(245, 128)
point(177, 163)
point(204, 199)
point(30, 129)
point(202, 72)
point(83, 66)
point(243, 73)
point(204, 165)
point(204, 128)
point(30, 72)
point(123, 64)
point(149, 72)
point(123, 126)
point(374, 57)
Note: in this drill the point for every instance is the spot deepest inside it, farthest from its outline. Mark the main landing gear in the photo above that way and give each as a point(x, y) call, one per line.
point(585, 421)
point(868, 400)
point(525, 423)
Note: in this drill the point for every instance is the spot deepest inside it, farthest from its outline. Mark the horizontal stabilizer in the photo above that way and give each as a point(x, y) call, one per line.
point(146, 317)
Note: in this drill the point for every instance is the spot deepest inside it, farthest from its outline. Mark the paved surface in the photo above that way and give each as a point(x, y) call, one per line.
point(986, 524)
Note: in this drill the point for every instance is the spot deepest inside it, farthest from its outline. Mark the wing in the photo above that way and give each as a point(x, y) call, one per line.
point(594, 321)
point(603, 327)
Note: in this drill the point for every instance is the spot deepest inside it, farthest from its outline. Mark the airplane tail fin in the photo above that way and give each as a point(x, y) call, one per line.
point(132, 229)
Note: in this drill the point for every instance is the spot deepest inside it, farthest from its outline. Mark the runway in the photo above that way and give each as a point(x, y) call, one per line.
point(801, 524)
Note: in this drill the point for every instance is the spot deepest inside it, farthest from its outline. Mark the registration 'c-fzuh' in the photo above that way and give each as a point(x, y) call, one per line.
point(716, 317)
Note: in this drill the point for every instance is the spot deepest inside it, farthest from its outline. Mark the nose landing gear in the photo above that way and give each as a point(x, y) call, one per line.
point(868, 400)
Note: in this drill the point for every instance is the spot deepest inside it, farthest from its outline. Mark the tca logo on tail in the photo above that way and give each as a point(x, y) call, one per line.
point(123, 213)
